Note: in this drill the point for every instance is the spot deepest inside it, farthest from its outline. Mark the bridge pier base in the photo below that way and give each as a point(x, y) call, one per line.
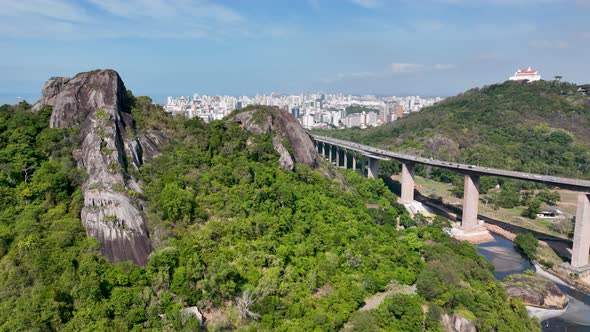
point(470, 202)
point(407, 182)
point(582, 232)
point(470, 229)
point(373, 169)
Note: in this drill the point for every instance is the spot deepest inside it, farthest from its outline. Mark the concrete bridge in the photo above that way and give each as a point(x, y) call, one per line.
point(345, 154)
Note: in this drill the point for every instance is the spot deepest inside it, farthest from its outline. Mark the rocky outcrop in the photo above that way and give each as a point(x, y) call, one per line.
point(457, 323)
point(96, 103)
point(535, 291)
point(289, 140)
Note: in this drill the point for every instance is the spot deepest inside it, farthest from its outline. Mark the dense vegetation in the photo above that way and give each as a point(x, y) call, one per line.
point(253, 246)
point(531, 127)
point(527, 244)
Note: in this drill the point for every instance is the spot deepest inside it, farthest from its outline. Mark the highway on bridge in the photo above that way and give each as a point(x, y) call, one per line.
point(372, 152)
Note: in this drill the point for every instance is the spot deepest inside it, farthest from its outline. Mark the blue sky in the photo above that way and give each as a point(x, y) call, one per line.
point(396, 47)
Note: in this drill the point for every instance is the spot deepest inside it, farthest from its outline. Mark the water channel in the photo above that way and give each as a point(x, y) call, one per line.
point(507, 260)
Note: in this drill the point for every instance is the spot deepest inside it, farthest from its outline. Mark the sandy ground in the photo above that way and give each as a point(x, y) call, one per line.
point(504, 260)
point(375, 300)
point(543, 314)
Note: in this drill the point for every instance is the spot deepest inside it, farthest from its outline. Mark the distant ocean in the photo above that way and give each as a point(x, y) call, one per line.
point(15, 98)
point(31, 98)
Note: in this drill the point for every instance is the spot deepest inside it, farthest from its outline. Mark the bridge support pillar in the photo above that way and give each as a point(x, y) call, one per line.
point(407, 182)
point(345, 157)
point(470, 202)
point(373, 170)
point(353, 161)
point(323, 150)
point(581, 232)
point(330, 148)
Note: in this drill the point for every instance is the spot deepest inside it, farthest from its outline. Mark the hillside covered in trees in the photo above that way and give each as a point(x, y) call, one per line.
point(252, 245)
point(540, 127)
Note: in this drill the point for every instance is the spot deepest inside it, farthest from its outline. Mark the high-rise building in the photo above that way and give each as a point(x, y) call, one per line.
point(295, 112)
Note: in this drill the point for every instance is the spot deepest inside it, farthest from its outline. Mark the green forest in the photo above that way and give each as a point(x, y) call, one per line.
point(254, 247)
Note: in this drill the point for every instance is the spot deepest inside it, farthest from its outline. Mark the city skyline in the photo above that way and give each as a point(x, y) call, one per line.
point(315, 110)
point(172, 47)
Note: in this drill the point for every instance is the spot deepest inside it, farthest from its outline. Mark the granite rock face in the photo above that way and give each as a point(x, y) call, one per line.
point(96, 102)
point(289, 140)
point(457, 323)
point(535, 291)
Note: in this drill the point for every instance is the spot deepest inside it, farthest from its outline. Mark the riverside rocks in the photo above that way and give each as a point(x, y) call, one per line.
point(535, 291)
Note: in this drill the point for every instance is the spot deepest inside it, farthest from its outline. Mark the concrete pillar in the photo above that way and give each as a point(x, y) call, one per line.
point(470, 202)
point(354, 161)
point(338, 153)
point(407, 182)
point(330, 153)
point(373, 170)
point(581, 232)
point(345, 156)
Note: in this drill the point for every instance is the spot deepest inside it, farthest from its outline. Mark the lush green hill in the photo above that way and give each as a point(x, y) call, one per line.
point(532, 127)
point(253, 246)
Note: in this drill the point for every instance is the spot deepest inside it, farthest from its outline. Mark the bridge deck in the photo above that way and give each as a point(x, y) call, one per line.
point(566, 183)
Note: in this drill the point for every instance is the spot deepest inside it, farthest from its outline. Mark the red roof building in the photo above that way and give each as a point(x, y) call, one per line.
point(526, 74)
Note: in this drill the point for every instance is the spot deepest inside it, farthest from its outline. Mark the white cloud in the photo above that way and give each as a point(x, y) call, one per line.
point(549, 44)
point(394, 68)
point(354, 75)
point(49, 9)
point(398, 67)
point(159, 9)
point(155, 19)
point(443, 66)
point(370, 4)
point(401, 68)
point(498, 2)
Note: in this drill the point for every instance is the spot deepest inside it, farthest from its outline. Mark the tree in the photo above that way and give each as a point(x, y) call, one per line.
point(548, 197)
point(527, 243)
point(177, 203)
point(534, 206)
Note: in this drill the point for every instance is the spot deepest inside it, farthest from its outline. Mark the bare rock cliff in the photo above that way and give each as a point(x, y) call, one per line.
point(96, 102)
point(290, 140)
point(457, 323)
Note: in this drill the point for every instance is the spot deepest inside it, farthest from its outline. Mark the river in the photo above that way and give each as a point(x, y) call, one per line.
point(507, 260)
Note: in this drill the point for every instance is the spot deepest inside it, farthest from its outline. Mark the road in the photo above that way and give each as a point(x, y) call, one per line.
point(565, 183)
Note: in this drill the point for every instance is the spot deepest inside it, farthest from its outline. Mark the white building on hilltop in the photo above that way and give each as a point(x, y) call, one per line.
point(526, 74)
